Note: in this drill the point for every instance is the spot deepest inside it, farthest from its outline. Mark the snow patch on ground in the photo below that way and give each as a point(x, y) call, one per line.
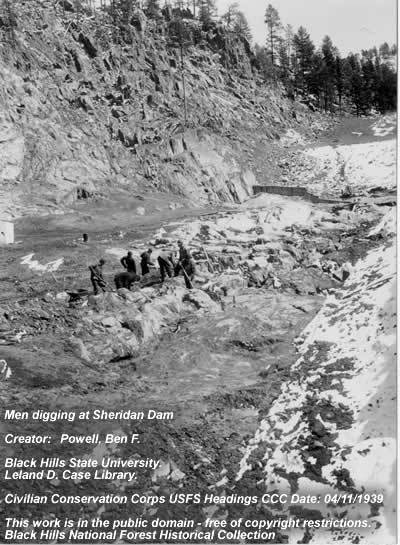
point(334, 429)
point(5, 371)
point(291, 138)
point(385, 126)
point(34, 265)
point(359, 166)
point(387, 225)
point(263, 216)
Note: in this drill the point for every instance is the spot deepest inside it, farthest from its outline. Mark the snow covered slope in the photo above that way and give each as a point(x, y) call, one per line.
point(332, 430)
point(362, 166)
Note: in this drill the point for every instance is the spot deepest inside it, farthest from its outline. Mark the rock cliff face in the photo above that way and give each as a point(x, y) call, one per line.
point(85, 111)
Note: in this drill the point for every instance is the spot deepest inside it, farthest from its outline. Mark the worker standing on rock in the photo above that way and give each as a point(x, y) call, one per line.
point(97, 278)
point(146, 261)
point(128, 263)
point(166, 263)
point(186, 265)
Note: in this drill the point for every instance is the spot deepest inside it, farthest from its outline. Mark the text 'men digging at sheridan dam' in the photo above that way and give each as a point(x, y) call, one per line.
point(95, 414)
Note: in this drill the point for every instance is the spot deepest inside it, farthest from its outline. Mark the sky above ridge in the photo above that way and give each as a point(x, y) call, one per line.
point(352, 24)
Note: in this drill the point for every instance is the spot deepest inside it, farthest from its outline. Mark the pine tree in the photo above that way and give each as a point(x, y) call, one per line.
point(152, 8)
point(125, 8)
point(384, 50)
point(328, 72)
point(183, 8)
point(315, 80)
point(10, 20)
point(328, 52)
point(178, 5)
point(304, 52)
point(207, 11)
point(369, 84)
point(230, 15)
point(273, 22)
point(241, 27)
point(284, 63)
point(264, 64)
point(285, 49)
point(370, 81)
point(289, 35)
point(354, 82)
point(387, 89)
point(339, 81)
point(181, 37)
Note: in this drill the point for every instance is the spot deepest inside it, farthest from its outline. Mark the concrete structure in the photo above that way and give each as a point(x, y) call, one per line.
point(6, 232)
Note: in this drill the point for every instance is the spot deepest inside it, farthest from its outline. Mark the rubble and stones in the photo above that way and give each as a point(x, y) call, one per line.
point(249, 362)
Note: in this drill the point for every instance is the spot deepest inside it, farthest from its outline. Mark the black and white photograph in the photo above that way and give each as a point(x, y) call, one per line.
point(198, 320)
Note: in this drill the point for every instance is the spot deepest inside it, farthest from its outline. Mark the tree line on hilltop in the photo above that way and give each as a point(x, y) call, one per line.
point(366, 81)
point(319, 76)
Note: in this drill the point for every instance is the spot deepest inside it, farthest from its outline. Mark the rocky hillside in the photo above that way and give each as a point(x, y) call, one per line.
point(87, 111)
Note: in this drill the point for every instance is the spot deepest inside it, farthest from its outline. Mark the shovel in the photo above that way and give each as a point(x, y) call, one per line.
point(186, 276)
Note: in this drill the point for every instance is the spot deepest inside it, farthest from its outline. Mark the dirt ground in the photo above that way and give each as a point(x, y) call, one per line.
point(219, 369)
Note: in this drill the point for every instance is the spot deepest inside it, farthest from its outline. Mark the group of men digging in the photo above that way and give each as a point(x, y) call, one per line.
point(166, 262)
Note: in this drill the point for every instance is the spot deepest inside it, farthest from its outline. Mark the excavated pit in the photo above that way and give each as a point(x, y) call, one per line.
point(242, 360)
point(261, 363)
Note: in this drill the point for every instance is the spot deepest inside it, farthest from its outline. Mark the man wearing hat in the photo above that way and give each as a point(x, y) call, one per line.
point(97, 278)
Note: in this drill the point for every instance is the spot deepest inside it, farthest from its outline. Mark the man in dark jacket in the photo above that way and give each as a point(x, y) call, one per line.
point(96, 277)
point(146, 261)
point(125, 280)
point(186, 265)
point(128, 263)
point(184, 253)
point(166, 263)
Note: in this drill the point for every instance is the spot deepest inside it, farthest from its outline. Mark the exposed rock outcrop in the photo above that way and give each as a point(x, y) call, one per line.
point(83, 111)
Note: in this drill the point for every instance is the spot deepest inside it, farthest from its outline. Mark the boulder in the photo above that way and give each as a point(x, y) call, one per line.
point(67, 5)
point(226, 284)
point(135, 327)
point(79, 349)
point(115, 328)
point(48, 297)
point(12, 149)
point(134, 297)
point(120, 345)
point(201, 300)
point(110, 321)
point(231, 281)
point(257, 278)
point(88, 45)
point(310, 281)
point(108, 301)
point(342, 273)
point(62, 296)
point(287, 261)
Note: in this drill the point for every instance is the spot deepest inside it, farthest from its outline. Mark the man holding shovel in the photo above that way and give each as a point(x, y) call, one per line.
point(97, 278)
point(186, 265)
point(166, 263)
